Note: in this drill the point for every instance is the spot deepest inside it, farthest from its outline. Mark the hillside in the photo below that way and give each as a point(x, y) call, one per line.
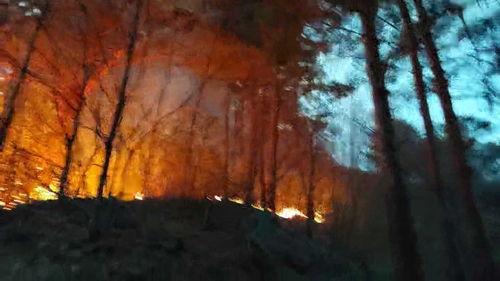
point(159, 240)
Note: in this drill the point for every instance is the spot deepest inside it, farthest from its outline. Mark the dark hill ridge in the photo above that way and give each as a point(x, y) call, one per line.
point(176, 239)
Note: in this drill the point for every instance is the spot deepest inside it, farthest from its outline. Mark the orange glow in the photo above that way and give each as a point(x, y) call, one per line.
point(139, 196)
point(286, 213)
point(289, 213)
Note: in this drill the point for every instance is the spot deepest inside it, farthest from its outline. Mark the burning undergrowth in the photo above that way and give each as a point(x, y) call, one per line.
point(177, 239)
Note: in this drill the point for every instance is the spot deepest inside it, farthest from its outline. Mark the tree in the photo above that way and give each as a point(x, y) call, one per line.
point(227, 144)
point(255, 133)
point(70, 140)
point(191, 169)
point(406, 258)
point(480, 261)
point(271, 189)
point(120, 106)
point(455, 270)
point(315, 126)
point(9, 105)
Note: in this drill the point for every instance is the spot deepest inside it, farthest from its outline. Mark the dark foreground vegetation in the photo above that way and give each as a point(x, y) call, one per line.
point(176, 239)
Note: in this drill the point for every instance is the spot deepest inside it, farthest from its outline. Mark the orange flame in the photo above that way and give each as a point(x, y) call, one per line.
point(139, 196)
point(286, 213)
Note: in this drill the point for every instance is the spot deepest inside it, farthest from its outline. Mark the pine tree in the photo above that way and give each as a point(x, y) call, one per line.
point(455, 270)
point(406, 259)
point(479, 252)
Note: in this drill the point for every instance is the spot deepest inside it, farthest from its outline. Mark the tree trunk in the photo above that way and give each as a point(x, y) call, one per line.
point(406, 259)
point(262, 178)
point(262, 160)
point(274, 153)
point(480, 258)
point(76, 119)
point(255, 121)
point(71, 140)
point(191, 169)
point(116, 168)
point(120, 106)
point(9, 105)
point(147, 187)
point(310, 190)
point(228, 146)
point(354, 155)
point(455, 269)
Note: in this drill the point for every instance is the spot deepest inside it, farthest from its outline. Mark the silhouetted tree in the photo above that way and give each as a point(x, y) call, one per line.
point(409, 39)
point(120, 106)
point(406, 259)
point(479, 252)
point(86, 73)
point(9, 104)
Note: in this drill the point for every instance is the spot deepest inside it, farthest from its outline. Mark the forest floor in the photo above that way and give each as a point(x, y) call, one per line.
point(176, 239)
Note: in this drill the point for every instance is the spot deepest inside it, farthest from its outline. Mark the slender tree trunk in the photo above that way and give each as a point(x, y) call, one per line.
point(354, 154)
point(262, 179)
point(120, 106)
point(71, 139)
point(254, 147)
point(10, 103)
point(191, 169)
point(402, 235)
point(274, 152)
point(480, 257)
point(116, 169)
point(84, 174)
point(310, 190)
point(76, 119)
point(262, 161)
point(455, 269)
point(146, 165)
point(227, 145)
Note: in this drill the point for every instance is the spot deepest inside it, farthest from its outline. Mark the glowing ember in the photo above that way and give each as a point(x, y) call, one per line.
point(289, 213)
point(139, 196)
point(319, 218)
point(286, 213)
point(257, 207)
point(41, 193)
point(237, 200)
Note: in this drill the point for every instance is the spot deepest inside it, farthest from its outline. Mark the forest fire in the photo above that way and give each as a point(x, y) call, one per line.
point(139, 196)
point(41, 193)
point(289, 213)
point(286, 213)
point(245, 97)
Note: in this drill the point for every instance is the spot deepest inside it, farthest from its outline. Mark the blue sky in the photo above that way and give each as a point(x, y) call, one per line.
point(343, 64)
